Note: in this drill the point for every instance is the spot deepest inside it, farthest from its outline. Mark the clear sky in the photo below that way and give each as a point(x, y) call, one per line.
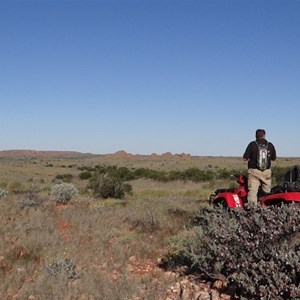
point(152, 76)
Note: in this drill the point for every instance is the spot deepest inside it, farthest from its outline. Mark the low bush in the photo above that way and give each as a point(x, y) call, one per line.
point(3, 193)
point(108, 186)
point(66, 267)
point(64, 177)
point(85, 175)
point(86, 168)
point(63, 192)
point(198, 175)
point(33, 198)
point(150, 174)
point(122, 173)
point(256, 249)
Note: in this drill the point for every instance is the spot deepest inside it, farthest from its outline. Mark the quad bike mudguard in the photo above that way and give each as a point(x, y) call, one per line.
point(280, 198)
point(231, 198)
point(237, 197)
point(228, 199)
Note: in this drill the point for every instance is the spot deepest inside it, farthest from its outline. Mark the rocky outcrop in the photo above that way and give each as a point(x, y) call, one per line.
point(192, 289)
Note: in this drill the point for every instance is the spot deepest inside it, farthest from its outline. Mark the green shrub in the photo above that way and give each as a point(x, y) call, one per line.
point(226, 174)
point(125, 174)
point(108, 186)
point(197, 175)
point(256, 249)
point(150, 174)
point(63, 192)
point(122, 173)
point(176, 175)
point(85, 175)
point(192, 174)
point(86, 168)
point(64, 177)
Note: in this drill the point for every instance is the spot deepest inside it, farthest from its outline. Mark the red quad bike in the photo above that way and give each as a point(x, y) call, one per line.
point(280, 194)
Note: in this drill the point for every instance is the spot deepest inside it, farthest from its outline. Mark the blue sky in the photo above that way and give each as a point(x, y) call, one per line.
point(149, 76)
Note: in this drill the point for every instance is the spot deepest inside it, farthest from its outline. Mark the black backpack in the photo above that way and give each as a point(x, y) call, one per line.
point(262, 162)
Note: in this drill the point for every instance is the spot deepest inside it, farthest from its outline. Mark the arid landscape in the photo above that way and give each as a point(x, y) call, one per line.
point(26, 164)
point(93, 248)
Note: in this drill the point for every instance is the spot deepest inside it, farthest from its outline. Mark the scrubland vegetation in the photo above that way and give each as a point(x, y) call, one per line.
point(255, 250)
point(76, 229)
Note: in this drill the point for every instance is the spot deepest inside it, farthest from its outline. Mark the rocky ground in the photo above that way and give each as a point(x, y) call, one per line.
point(190, 288)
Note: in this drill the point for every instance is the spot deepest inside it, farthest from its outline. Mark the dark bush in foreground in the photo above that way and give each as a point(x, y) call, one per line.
point(256, 249)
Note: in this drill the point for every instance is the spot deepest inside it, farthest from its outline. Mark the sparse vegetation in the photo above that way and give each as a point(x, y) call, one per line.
point(16, 187)
point(109, 248)
point(49, 249)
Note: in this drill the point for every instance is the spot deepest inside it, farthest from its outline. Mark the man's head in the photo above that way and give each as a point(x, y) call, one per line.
point(260, 133)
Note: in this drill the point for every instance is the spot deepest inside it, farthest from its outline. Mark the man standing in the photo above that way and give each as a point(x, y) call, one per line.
point(259, 154)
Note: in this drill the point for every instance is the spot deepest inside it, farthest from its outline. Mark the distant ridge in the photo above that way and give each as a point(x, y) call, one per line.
point(20, 152)
point(124, 154)
point(118, 154)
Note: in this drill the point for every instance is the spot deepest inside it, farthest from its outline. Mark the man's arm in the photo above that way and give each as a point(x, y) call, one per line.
point(273, 153)
point(246, 155)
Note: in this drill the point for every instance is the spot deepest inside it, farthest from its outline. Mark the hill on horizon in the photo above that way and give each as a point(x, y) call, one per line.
point(120, 153)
